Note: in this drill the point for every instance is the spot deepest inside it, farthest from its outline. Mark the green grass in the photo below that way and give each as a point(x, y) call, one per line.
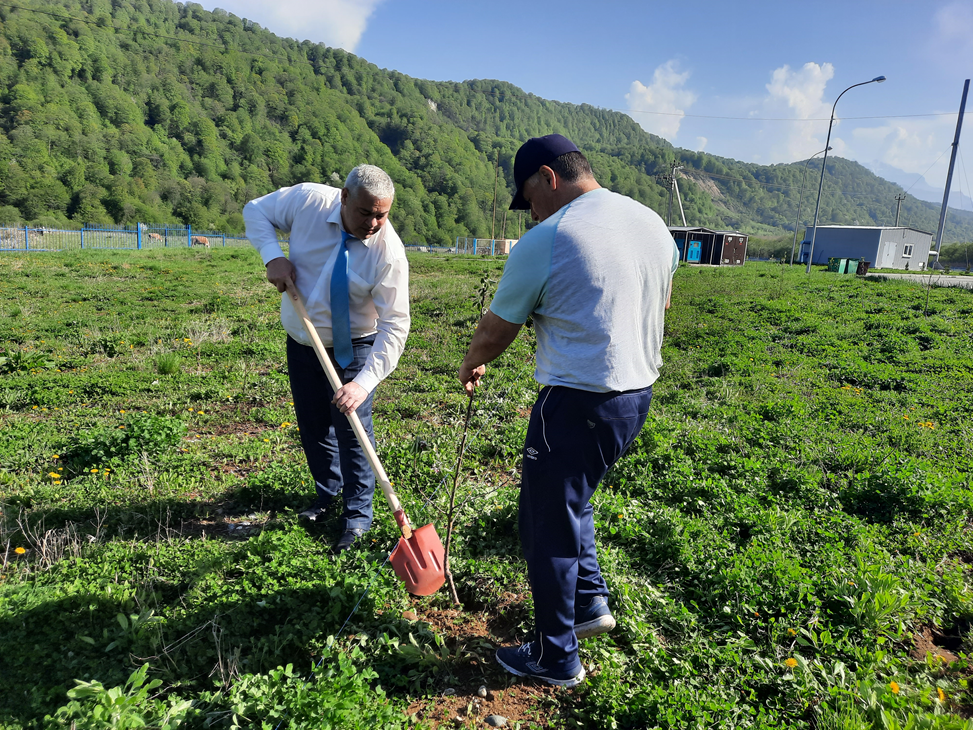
point(799, 496)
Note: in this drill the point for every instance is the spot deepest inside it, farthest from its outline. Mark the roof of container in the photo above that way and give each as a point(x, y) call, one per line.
point(880, 228)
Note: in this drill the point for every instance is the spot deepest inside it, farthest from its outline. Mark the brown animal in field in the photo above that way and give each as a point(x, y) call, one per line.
point(200, 241)
point(155, 237)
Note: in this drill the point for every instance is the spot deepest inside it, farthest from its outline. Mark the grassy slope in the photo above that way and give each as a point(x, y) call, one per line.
point(801, 491)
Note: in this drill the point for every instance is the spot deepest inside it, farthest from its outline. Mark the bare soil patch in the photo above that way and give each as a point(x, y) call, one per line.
point(472, 638)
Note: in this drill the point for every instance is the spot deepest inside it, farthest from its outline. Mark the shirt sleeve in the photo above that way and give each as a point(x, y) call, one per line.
point(266, 215)
point(391, 297)
point(525, 275)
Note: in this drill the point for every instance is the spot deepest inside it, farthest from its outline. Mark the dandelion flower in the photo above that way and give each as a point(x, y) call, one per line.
point(791, 632)
point(894, 687)
point(94, 471)
point(941, 694)
point(791, 662)
point(53, 474)
point(55, 456)
point(285, 424)
point(267, 440)
point(20, 551)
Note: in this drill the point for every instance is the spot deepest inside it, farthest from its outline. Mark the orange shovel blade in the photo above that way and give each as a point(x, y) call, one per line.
point(419, 560)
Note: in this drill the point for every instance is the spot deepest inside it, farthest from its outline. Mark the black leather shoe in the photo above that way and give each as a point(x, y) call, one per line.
point(316, 512)
point(348, 538)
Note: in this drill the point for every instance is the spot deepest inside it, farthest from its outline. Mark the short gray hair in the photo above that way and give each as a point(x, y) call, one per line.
point(373, 180)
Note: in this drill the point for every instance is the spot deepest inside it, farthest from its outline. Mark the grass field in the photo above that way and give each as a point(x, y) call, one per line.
point(788, 543)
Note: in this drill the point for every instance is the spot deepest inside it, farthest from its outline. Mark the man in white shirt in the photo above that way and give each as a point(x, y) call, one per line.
point(350, 268)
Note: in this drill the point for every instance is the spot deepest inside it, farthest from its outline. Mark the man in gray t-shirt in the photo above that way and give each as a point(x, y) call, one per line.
point(595, 275)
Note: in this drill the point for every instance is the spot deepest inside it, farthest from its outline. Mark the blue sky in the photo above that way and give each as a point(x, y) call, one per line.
point(675, 66)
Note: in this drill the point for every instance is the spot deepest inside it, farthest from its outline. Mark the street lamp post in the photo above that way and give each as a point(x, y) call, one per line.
point(824, 163)
point(797, 223)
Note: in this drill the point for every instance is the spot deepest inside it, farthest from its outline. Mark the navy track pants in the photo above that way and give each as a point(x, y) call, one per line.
point(573, 438)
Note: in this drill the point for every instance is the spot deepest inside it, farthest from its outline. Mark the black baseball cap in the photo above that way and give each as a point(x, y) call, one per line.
point(534, 153)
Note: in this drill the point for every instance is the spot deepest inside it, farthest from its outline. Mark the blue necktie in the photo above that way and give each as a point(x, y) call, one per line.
point(340, 314)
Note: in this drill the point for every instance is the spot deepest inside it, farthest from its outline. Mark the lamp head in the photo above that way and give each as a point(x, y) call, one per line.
point(879, 79)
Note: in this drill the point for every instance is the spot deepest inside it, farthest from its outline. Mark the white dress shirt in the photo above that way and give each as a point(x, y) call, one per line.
point(378, 272)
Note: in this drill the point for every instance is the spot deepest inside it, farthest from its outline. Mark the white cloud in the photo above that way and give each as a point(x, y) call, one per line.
point(701, 143)
point(337, 23)
point(799, 95)
point(908, 144)
point(665, 96)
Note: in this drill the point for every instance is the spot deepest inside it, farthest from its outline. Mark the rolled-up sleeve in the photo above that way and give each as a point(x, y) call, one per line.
point(391, 297)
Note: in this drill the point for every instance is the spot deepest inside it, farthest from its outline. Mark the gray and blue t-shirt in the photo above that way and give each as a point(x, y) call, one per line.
point(595, 276)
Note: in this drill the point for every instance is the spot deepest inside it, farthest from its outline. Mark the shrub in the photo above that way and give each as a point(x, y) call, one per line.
point(142, 433)
point(167, 363)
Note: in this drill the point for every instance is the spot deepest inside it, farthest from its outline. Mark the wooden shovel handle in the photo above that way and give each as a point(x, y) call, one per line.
point(353, 418)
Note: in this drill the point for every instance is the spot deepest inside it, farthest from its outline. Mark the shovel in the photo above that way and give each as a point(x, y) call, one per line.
point(419, 556)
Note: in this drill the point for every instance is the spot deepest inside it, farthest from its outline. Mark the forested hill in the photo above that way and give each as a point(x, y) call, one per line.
point(152, 111)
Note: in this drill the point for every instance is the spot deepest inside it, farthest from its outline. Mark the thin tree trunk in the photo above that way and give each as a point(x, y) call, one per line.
point(451, 512)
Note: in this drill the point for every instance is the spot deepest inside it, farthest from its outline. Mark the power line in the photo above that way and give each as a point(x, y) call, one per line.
point(923, 175)
point(713, 116)
point(222, 47)
point(781, 119)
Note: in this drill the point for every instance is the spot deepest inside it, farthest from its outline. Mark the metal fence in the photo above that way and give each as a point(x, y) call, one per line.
point(29, 239)
point(484, 246)
point(423, 248)
point(140, 236)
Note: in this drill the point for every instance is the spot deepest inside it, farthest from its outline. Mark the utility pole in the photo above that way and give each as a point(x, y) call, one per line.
point(675, 184)
point(670, 180)
point(496, 179)
point(949, 174)
point(898, 204)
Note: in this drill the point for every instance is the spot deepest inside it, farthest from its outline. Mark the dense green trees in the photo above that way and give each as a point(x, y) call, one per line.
point(147, 110)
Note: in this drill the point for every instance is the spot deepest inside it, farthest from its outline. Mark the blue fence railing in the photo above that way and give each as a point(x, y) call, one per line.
point(140, 236)
point(27, 239)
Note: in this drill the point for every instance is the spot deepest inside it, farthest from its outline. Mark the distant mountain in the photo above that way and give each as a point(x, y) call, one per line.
point(917, 186)
point(154, 111)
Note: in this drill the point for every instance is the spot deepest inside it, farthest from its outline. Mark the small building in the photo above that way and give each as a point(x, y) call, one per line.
point(699, 245)
point(730, 247)
point(885, 247)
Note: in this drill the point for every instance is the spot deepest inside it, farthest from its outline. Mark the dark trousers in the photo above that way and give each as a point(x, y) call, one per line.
point(573, 438)
point(337, 461)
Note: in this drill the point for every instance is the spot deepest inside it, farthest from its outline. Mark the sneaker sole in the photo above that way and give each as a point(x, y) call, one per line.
point(600, 625)
point(570, 682)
